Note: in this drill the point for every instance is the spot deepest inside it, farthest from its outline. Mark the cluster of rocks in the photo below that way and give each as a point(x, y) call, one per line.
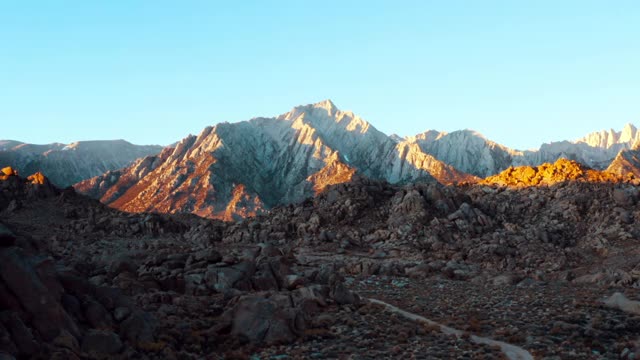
point(548, 174)
point(52, 311)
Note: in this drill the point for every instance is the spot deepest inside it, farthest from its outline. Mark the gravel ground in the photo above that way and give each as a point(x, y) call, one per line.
point(550, 320)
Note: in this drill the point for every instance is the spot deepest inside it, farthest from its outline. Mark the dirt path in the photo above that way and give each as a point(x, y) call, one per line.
point(511, 351)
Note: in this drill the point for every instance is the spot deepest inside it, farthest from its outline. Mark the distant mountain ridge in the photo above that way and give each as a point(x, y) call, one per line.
point(471, 152)
point(67, 164)
point(234, 170)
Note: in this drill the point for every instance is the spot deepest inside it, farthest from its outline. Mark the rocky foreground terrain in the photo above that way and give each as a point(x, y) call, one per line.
point(363, 270)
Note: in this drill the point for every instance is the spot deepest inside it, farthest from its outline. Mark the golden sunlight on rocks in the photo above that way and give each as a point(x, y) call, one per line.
point(242, 205)
point(335, 172)
point(37, 178)
point(549, 174)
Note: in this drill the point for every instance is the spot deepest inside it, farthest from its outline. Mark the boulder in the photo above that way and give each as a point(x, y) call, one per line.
point(265, 320)
point(139, 327)
point(8, 171)
point(38, 179)
point(48, 315)
point(626, 196)
point(97, 316)
point(236, 276)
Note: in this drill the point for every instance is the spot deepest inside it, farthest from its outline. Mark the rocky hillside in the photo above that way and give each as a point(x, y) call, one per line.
point(67, 164)
point(233, 170)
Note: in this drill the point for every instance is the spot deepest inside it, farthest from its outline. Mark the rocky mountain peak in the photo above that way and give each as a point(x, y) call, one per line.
point(628, 133)
point(326, 105)
point(606, 139)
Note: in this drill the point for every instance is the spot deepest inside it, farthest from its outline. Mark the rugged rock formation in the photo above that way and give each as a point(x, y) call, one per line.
point(548, 174)
point(271, 161)
point(67, 164)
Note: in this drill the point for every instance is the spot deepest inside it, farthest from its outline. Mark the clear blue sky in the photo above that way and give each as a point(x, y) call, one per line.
point(520, 72)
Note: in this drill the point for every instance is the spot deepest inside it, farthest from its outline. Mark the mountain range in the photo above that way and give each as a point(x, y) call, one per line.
point(234, 170)
point(67, 164)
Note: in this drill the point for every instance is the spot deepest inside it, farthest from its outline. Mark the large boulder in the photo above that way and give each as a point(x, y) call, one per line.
point(29, 285)
point(237, 276)
point(263, 320)
point(139, 327)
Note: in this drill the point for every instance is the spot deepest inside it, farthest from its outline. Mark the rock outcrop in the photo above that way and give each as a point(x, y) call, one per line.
point(548, 174)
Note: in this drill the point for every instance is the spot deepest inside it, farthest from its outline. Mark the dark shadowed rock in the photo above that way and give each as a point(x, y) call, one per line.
point(20, 334)
point(262, 320)
point(236, 276)
point(97, 342)
point(37, 299)
point(626, 196)
point(139, 327)
point(6, 345)
point(97, 316)
point(7, 238)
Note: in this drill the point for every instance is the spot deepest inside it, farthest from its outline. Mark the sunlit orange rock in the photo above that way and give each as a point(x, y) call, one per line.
point(549, 174)
point(6, 172)
point(37, 178)
point(9, 171)
point(335, 172)
point(242, 205)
